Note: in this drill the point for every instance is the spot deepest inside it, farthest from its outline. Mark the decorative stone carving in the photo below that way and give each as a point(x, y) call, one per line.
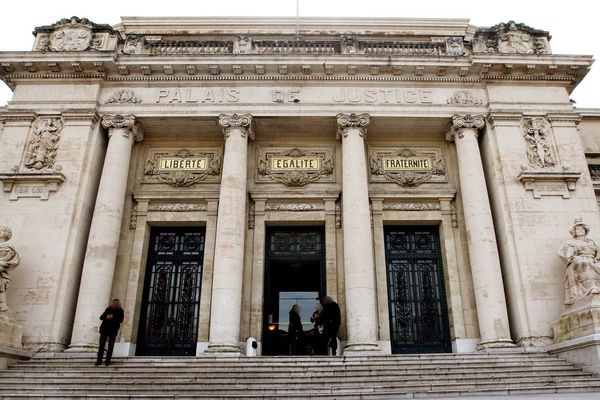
point(242, 45)
point(43, 143)
point(176, 207)
point(512, 38)
point(349, 44)
point(453, 214)
point(9, 260)
point(349, 121)
point(537, 135)
point(73, 34)
point(205, 168)
point(123, 96)
point(338, 216)
point(132, 43)
point(126, 123)
point(243, 122)
point(461, 122)
point(133, 218)
point(411, 206)
point(295, 207)
point(455, 46)
point(582, 256)
point(420, 165)
point(304, 166)
point(464, 97)
point(251, 215)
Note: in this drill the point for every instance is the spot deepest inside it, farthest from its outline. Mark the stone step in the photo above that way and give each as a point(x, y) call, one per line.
point(108, 373)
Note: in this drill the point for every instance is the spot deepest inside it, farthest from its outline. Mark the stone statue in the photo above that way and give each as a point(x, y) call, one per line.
point(582, 276)
point(9, 260)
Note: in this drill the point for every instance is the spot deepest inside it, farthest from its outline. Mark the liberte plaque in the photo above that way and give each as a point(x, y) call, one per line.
point(183, 164)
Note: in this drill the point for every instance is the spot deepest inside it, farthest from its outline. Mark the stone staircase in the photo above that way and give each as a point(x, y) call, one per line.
point(68, 376)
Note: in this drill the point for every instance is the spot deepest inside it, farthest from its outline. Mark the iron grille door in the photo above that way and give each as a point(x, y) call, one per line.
point(417, 299)
point(169, 319)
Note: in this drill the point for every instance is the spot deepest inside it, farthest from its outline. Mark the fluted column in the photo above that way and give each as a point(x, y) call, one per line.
point(483, 252)
point(359, 267)
point(229, 243)
point(103, 241)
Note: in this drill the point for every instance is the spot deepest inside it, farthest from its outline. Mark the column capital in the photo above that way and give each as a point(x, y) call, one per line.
point(124, 122)
point(243, 122)
point(349, 121)
point(462, 122)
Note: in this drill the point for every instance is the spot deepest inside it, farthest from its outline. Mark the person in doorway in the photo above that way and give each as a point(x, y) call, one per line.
point(332, 319)
point(295, 331)
point(111, 322)
point(319, 336)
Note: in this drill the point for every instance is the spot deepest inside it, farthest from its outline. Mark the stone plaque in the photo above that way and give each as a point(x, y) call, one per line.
point(182, 167)
point(407, 166)
point(294, 166)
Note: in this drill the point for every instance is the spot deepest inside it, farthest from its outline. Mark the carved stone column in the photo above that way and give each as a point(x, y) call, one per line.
point(103, 241)
point(359, 267)
point(483, 252)
point(229, 244)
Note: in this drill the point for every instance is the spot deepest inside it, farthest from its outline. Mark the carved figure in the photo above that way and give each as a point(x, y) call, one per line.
point(538, 149)
point(9, 260)
point(43, 143)
point(582, 275)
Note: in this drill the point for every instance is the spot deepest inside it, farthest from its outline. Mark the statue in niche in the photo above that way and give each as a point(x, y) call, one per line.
point(43, 143)
point(538, 148)
point(9, 260)
point(582, 275)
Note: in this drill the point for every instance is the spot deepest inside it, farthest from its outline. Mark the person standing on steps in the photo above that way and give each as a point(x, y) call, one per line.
point(111, 322)
point(319, 335)
point(332, 319)
point(295, 331)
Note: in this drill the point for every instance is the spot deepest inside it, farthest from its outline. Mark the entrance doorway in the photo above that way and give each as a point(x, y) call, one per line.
point(294, 274)
point(417, 299)
point(171, 302)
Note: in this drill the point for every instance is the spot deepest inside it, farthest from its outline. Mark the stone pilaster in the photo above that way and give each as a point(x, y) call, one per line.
point(359, 267)
point(101, 253)
point(483, 252)
point(229, 243)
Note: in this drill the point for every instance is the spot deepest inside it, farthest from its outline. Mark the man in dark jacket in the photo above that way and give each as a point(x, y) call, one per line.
point(111, 322)
point(333, 320)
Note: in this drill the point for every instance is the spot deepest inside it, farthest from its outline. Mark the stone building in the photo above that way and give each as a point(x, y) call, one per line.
point(212, 172)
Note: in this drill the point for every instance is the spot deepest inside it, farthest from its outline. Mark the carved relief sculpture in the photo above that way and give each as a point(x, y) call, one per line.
point(406, 167)
point(536, 134)
point(582, 256)
point(73, 34)
point(299, 167)
point(455, 46)
point(9, 260)
point(123, 96)
point(464, 97)
point(210, 170)
point(512, 38)
point(43, 143)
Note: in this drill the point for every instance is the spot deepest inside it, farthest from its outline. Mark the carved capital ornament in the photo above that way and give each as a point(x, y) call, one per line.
point(462, 122)
point(345, 122)
point(125, 123)
point(241, 122)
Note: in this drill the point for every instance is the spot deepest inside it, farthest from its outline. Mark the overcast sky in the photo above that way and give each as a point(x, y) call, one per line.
point(572, 24)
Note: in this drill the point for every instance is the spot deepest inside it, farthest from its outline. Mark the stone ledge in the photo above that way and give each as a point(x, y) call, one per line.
point(584, 352)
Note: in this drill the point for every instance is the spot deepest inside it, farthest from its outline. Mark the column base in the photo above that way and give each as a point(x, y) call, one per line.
point(82, 348)
point(359, 349)
point(499, 345)
point(224, 350)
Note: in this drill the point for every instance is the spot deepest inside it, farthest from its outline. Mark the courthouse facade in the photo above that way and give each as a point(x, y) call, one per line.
point(212, 172)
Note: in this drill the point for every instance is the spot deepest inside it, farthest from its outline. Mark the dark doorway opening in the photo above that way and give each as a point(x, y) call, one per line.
point(294, 274)
point(171, 302)
point(417, 299)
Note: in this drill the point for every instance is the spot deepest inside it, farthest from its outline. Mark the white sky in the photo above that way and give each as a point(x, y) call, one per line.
point(572, 24)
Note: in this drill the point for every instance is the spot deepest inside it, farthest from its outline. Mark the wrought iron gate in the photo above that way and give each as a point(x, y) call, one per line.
point(417, 300)
point(171, 302)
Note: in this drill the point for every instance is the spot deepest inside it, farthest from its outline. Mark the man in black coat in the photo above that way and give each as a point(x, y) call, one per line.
point(111, 322)
point(333, 319)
